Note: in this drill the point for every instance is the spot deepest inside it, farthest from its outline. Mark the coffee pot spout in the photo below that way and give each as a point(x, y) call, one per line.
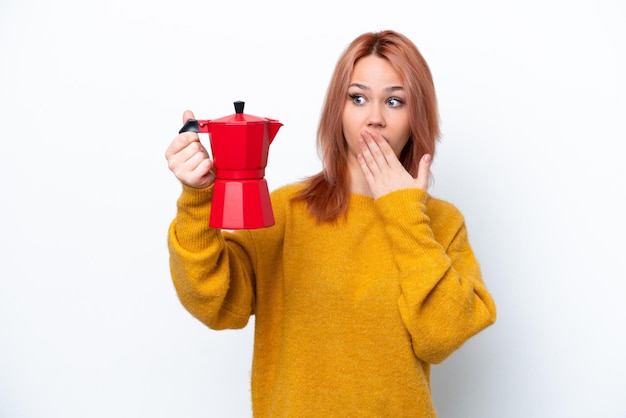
point(273, 128)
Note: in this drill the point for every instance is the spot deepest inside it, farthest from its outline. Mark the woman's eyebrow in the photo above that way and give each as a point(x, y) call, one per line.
point(394, 88)
point(359, 86)
point(364, 87)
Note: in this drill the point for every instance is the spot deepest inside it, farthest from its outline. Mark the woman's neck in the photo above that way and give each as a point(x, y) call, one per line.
point(358, 183)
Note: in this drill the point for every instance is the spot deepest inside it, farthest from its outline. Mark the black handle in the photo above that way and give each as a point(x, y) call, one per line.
point(190, 126)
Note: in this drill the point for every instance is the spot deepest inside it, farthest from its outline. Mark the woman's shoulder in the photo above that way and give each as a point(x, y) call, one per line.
point(441, 211)
point(286, 192)
point(441, 205)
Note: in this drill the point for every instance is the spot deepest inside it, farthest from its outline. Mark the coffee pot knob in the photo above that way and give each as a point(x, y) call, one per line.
point(239, 106)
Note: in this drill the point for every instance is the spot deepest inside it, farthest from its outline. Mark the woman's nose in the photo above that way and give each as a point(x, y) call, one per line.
point(375, 118)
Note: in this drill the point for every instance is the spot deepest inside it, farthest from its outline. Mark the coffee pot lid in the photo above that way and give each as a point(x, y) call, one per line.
point(239, 117)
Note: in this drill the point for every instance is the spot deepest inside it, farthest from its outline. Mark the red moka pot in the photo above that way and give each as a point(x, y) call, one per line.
point(239, 148)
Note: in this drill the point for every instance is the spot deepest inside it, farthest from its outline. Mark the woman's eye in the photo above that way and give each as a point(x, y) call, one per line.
point(357, 98)
point(395, 102)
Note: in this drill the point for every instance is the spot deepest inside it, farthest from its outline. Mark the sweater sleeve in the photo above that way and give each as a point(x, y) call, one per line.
point(443, 299)
point(211, 269)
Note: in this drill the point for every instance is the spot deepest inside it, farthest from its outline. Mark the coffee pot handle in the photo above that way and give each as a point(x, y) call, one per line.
point(190, 126)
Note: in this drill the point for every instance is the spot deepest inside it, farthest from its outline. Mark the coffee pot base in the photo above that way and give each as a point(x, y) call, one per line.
point(241, 204)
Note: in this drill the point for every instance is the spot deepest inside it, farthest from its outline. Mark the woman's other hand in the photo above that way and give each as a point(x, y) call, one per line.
point(383, 171)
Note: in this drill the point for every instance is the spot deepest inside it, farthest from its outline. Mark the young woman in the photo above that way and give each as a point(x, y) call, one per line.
point(365, 279)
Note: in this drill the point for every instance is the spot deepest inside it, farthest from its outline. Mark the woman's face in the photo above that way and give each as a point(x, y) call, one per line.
point(376, 102)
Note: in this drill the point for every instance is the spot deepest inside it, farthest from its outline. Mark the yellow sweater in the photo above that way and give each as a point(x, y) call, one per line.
point(348, 316)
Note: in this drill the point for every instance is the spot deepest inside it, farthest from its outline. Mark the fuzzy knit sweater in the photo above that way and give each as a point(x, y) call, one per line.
point(348, 316)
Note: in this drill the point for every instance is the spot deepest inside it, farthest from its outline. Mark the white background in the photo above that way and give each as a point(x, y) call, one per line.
point(532, 101)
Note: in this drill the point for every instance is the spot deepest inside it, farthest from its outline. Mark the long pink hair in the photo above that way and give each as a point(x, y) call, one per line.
point(327, 193)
